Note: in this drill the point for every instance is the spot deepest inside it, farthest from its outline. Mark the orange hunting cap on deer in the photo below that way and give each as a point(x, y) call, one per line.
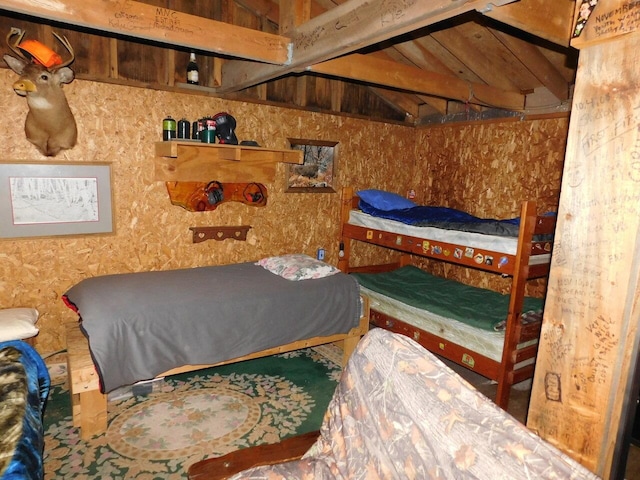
point(40, 53)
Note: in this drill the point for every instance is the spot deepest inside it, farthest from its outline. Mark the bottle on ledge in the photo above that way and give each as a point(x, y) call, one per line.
point(192, 70)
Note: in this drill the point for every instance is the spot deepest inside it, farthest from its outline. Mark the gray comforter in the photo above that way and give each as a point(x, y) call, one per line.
point(142, 324)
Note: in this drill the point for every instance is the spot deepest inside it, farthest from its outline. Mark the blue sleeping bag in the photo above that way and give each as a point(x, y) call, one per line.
point(24, 388)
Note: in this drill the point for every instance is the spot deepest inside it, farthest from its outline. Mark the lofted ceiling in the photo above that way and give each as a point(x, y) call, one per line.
point(423, 60)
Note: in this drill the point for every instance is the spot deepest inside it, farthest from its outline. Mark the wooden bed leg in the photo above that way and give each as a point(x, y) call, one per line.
point(348, 346)
point(89, 406)
point(349, 343)
point(93, 414)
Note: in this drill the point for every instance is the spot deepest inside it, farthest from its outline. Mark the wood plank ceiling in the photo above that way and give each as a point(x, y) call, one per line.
point(398, 60)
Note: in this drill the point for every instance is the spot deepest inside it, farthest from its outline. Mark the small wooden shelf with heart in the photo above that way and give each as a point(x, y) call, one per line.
point(200, 234)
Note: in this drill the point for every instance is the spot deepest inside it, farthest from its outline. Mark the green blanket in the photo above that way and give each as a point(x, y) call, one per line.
point(474, 306)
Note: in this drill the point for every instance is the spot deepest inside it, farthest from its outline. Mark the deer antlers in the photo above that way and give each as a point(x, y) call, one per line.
point(14, 46)
point(37, 50)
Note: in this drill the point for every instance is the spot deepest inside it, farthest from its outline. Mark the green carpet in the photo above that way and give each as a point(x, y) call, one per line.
point(194, 416)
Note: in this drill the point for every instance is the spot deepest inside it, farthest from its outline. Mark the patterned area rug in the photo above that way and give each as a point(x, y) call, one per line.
point(189, 417)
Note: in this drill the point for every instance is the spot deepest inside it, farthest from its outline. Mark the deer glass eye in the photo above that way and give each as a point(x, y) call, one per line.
point(44, 77)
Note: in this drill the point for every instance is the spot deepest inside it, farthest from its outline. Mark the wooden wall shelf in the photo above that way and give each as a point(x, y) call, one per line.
point(192, 161)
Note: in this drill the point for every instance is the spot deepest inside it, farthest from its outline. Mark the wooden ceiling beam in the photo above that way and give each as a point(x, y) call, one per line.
point(405, 77)
point(170, 27)
point(346, 28)
point(548, 19)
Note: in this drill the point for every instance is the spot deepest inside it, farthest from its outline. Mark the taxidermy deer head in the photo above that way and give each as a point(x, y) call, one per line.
point(50, 125)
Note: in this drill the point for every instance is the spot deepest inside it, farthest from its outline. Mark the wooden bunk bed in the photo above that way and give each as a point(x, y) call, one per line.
point(530, 259)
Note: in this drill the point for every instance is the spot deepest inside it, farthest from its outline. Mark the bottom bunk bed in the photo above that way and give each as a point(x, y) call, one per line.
point(504, 347)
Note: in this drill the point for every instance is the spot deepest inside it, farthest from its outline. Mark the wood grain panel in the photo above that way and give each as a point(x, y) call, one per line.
point(590, 328)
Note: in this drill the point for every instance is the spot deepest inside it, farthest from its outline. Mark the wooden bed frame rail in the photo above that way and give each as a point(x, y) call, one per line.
point(518, 266)
point(89, 405)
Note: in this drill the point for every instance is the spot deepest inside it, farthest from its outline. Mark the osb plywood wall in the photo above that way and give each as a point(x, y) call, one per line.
point(485, 168)
point(488, 169)
point(119, 125)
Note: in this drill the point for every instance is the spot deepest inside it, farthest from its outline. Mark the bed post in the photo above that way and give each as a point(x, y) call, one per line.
point(345, 243)
point(528, 219)
point(349, 344)
point(89, 405)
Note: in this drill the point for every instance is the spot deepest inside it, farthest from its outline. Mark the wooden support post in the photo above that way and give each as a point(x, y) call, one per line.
point(590, 327)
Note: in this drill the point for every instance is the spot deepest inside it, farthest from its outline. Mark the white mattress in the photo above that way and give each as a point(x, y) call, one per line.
point(507, 245)
point(484, 342)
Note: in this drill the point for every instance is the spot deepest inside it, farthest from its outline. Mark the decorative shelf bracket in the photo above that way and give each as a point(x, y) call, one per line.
point(200, 234)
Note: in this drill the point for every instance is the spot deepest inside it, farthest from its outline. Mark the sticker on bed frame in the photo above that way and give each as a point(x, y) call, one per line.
point(488, 260)
point(398, 240)
point(478, 258)
point(457, 253)
point(436, 250)
point(425, 246)
point(468, 360)
point(441, 346)
point(503, 261)
point(468, 252)
point(369, 234)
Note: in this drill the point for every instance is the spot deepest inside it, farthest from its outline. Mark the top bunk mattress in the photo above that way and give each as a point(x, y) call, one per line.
point(496, 243)
point(140, 325)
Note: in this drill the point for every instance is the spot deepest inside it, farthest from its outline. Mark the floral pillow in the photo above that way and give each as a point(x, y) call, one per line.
point(297, 266)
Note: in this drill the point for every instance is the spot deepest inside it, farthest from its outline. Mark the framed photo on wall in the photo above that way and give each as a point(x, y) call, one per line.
point(317, 173)
point(55, 199)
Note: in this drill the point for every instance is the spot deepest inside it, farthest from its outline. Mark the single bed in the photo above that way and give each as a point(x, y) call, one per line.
point(143, 325)
point(518, 248)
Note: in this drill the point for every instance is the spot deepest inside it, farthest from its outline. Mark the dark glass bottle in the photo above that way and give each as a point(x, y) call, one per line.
point(192, 70)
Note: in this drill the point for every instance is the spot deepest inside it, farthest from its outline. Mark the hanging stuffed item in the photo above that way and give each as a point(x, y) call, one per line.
point(50, 124)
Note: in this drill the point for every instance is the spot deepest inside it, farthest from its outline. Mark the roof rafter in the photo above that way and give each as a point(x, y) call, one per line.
point(392, 74)
point(345, 29)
